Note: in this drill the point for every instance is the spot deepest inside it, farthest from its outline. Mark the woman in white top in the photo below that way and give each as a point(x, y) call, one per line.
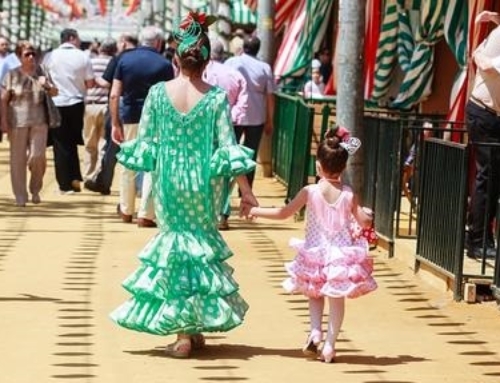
point(314, 88)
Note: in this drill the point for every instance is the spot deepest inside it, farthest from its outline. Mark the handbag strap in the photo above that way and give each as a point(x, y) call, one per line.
point(45, 72)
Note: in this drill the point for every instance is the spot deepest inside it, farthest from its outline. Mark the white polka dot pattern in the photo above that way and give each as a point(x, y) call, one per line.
point(330, 262)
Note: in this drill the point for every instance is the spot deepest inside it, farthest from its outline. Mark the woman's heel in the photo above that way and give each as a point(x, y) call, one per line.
point(197, 341)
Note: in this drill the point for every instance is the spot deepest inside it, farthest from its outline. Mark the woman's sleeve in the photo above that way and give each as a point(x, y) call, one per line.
point(140, 153)
point(229, 158)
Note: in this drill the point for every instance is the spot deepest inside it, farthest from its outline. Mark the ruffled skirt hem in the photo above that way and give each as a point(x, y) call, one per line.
point(333, 272)
point(183, 285)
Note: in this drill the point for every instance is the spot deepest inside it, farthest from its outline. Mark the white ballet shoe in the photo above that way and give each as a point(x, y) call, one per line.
point(327, 353)
point(311, 346)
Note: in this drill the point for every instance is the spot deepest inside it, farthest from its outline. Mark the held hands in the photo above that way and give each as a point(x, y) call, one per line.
point(248, 201)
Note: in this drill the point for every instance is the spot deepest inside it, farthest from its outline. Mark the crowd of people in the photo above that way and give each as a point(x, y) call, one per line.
point(190, 122)
point(99, 90)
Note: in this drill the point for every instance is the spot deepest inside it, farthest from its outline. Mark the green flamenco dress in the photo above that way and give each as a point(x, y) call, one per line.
point(184, 284)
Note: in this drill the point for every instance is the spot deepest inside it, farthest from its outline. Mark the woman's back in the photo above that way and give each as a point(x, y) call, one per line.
point(184, 95)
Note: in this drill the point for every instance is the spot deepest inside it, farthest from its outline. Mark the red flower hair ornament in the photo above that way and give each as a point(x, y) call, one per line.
point(200, 18)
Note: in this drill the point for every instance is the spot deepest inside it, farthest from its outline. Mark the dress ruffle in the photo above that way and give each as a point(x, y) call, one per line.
point(138, 155)
point(182, 286)
point(232, 161)
point(334, 272)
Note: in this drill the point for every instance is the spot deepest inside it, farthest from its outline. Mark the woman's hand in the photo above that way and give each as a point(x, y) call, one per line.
point(48, 87)
point(52, 91)
point(248, 201)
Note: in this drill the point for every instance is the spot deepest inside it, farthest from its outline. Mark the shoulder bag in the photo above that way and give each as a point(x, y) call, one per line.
point(51, 111)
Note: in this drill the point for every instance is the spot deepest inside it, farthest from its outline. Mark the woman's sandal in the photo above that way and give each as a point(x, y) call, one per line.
point(181, 348)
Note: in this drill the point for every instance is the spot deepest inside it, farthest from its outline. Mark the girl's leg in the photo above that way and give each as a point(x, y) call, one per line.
point(316, 306)
point(335, 319)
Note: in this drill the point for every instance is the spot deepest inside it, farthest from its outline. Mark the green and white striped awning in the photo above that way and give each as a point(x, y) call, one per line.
point(241, 14)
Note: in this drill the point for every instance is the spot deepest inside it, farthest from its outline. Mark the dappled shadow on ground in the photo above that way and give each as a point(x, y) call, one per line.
point(246, 352)
point(226, 351)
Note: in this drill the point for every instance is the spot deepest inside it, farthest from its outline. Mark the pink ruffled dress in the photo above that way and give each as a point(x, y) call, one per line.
point(331, 261)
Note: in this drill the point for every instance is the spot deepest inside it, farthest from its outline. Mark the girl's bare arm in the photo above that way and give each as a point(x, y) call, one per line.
point(363, 216)
point(282, 212)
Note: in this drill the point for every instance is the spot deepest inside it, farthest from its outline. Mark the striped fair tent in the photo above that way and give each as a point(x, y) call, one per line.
point(252, 4)
point(285, 10)
point(303, 36)
point(241, 14)
point(417, 81)
point(372, 35)
point(386, 56)
point(373, 13)
point(456, 28)
point(463, 36)
point(410, 29)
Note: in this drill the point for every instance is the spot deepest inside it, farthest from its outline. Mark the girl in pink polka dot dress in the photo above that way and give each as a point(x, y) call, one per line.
point(332, 262)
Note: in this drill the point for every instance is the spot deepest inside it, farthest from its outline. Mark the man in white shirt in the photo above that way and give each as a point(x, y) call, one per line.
point(483, 124)
point(71, 72)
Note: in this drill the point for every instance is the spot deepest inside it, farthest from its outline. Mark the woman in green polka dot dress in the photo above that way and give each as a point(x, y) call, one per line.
point(183, 285)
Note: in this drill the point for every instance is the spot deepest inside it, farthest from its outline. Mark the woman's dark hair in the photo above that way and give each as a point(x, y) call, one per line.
point(23, 46)
point(331, 156)
point(194, 58)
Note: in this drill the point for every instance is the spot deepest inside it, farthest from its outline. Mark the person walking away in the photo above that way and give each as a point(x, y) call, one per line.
point(235, 85)
point(483, 125)
point(186, 140)
point(236, 43)
point(71, 70)
point(332, 263)
point(260, 86)
point(103, 178)
point(96, 105)
point(132, 81)
point(8, 62)
point(25, 121)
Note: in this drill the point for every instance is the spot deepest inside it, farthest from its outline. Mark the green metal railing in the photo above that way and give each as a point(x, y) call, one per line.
point(382, 137)
point(439, 193)
point(293, 126)
point(442, 208)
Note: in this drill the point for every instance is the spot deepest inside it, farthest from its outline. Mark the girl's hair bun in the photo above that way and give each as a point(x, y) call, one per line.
point(331, 138)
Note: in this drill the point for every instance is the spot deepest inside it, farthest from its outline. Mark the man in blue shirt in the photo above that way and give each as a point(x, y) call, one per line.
point(104, 177)
point(135, 73)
